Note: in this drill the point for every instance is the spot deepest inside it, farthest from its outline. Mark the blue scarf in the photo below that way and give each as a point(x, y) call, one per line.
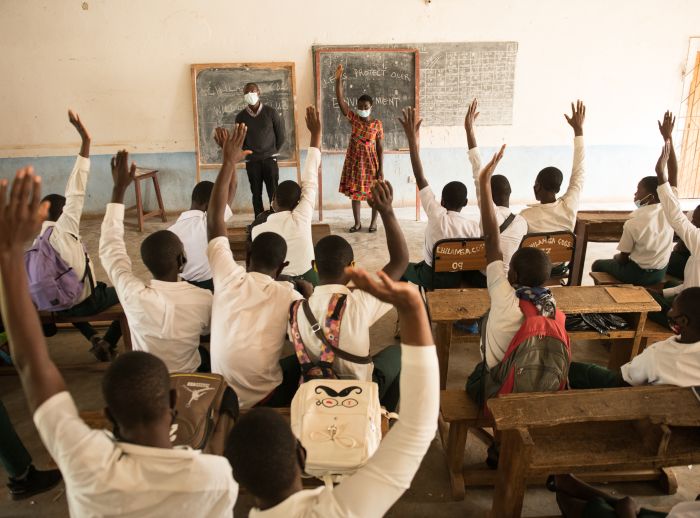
point(541, 298)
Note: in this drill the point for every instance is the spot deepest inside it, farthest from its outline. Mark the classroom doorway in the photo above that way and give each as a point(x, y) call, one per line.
point(689, 167)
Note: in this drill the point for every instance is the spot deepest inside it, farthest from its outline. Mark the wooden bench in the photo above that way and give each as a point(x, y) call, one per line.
point(238, 238)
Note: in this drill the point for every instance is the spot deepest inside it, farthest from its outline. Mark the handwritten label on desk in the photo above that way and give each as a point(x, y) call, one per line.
point(459, 256)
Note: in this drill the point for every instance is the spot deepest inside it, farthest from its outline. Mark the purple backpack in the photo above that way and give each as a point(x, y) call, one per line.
point(53, 285)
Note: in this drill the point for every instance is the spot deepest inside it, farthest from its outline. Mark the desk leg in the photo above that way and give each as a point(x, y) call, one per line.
point(126, 332)
point(443, 341)
point(642, 320)
point(622, 351)
point(581, 245)
point(511, 481)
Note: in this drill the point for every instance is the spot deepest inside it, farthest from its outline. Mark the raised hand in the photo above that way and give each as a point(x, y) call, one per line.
point(471, 116)
point(220, 136)
point(381, 197)
point(411, 123)
point(662, 161)
point(666, 127)
point(122, 175)
point(313, 124)
point(233, 147)
point(22, 215)
point(488, 170)
point(400, 294)
point(339, 72)
point(74, 119)
point(578, 115)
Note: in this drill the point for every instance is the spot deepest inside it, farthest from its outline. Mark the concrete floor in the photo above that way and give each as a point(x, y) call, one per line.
point(429, 495)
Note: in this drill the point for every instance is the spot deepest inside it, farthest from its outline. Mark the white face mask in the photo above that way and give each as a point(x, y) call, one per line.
point(640, 203)
point(364, 113)
point(251, 98)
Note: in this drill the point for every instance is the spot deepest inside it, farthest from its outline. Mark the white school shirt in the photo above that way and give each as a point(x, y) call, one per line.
point(191, 228)
point(248, 325)
point(65, 237)
point(685, 510)
point(361, 311)
point(647, 237)
point(105, 477)
point(560, 214)
point(689, 234)
point(295, 225)
point(166, 318)
point(375, 487)
point(505, 316)
point(668, 362)
point(512, 236)
point(443, 223)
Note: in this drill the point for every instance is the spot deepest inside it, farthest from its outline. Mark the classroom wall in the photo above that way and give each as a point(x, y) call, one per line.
point(124, 66)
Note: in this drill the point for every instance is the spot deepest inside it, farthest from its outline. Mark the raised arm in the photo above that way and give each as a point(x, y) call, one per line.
point(74, 119)
point(220, 137)
point(492, 236)
point(473, 152)
point(339, 93)
point(576, 120)
point(411, 126)
point(381, 198)
point(379, 483)
point(225, 181)
point(309, 176)
point(666, 129)
point(20, 221)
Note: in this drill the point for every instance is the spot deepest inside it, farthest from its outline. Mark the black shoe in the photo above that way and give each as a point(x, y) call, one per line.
point(100, 348)
point(113, 353)
point(492, 456)
point(34, 483)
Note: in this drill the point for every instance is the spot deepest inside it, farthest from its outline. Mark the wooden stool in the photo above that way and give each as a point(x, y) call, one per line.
point(143, 173)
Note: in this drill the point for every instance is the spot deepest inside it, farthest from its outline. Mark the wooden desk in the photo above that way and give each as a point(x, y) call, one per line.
point(238, 238)
point(582, 431)
point(601, 226)
point(449, 306)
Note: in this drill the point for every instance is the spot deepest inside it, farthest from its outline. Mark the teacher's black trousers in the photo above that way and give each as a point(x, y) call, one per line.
point(261, 171)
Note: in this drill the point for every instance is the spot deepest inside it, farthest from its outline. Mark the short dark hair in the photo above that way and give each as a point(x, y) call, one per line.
point(500, 187)
point(262, 451)
point(688, 302)
point(268, 251)
point(365, 97)
point(250, 85)
point(333, 253)
point(159, 252)
point(532, 266)
point(550, 179)
point(136, 388)
point(202, 192)
point(288, 194)
point(650, 184)
point(454, 196)
point(56, 208)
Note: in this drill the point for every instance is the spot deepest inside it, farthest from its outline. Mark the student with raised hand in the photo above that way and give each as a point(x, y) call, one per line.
point(166, 316)
point(135, 471)
point(552, 213)
point(647, 238)
point(445, 219)
point(674, 361)
point(63, 220)
point(293, 208)
point(361, 309)
point(512, 227)
point(273, 475)
point(249, 316)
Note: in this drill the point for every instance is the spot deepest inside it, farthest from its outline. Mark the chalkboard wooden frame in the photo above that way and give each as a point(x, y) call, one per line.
point(290, 65)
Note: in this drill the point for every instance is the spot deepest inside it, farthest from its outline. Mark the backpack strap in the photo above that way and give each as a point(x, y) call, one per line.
point(300, 349)
point(333, 325)
point(506, 223)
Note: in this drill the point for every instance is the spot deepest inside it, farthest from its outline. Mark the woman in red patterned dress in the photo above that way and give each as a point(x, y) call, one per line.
point(364, 157)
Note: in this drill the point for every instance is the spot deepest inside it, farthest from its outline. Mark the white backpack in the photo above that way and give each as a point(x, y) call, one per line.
point(339, 423)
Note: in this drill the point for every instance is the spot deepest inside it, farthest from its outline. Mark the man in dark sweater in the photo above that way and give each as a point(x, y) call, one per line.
point(264, 138)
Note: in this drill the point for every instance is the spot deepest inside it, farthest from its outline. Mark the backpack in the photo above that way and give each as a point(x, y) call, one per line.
point(537, 359)
point(206, 410)
point(53, 285)
point(329, 336)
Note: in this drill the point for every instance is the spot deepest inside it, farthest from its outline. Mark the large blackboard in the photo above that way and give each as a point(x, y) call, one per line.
point(217, 91)
point(452, 74)
point(390, 76)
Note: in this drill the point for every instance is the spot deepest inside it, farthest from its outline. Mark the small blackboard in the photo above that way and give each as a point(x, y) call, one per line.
point(390, 76)
point(217, 94)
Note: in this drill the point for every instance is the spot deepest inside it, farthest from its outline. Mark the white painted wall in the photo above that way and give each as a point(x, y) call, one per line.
point(124, 64)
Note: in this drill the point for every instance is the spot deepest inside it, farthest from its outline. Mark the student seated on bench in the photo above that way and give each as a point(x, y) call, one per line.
point(136, 471)
point(191, 228)
point(647, 238)
point(273, 474)
point(166, 316)
point(511, 226)
point(674, 361)
point(293, 210)
point(444, 218)
point(333, 255)
point(250, 311)
point(64, 218)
